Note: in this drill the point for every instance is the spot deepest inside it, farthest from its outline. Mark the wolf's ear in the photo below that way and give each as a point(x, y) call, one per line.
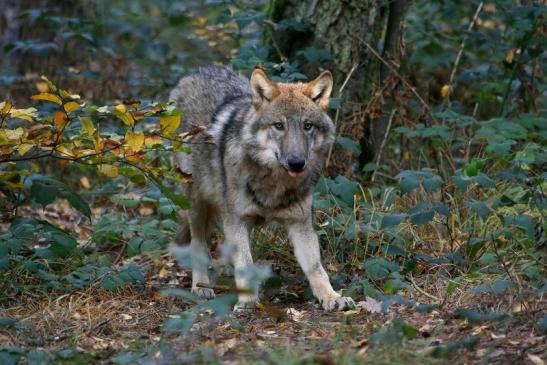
point(263, 89)
point(319, 89)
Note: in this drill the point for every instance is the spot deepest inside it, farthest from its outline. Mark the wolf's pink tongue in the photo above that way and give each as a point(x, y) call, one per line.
point(296, 174)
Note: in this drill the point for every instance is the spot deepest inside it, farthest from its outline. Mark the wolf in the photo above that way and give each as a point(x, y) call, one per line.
point(261, 155)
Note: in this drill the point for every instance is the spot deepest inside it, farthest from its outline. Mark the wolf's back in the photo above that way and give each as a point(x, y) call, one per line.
point(201, 92)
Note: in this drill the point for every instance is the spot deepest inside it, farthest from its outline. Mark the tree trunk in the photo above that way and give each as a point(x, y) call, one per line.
point(342, 27)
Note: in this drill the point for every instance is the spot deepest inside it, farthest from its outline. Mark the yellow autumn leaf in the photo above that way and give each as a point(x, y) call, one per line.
point(87, 124)
point(490, 8)
point(50, 84)
point(98, 143)
point(70, 106)
point(63, 150)
point(169, 123)
point(42, 87)
point(47, 97)
point(151, 141)
point(24, 148)
point(509, 56)
point(5, 107)
point(121, 108)
point(26, 114)
point(126, 118)
point(444, 91)
point(85, 182)
point(12, 134)
point(135, 140)
point(108, 170)
point(60, 119)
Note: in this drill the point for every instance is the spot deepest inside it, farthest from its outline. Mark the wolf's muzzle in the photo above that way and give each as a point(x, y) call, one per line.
point(296, 164)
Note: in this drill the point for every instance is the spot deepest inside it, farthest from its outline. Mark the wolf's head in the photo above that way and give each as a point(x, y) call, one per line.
point(288, 127)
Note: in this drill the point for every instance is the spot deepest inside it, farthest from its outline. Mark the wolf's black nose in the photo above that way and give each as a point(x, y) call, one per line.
point(296, 164)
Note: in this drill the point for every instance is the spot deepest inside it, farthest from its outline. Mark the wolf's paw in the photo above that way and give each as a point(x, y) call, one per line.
point(203, 293)
point(338, 303)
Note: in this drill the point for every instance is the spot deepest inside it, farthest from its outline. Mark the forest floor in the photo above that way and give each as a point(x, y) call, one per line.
point(94, 325)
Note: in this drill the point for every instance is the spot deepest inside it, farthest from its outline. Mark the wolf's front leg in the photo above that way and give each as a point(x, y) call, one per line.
point(236, 233)
point(306, 249)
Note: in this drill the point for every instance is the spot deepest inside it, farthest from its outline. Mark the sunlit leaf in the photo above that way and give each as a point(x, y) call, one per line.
point(42, 87)
point(109, 170)
point(60, 119)
point(71, 106)
point(47, 97)
point(24, 148)
point(135, 140)
point(121, 108)
point(444, 91)
point(87, 124)
point(5, 107)
point(27, 114)
point(50, 84)
point(151, 141)
point(11, 134)
point(170, 123)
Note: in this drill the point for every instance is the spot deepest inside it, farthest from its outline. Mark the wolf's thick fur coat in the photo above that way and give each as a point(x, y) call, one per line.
point(257, 161)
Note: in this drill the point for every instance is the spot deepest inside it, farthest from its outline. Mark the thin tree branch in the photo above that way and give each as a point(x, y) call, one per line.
point(386, 134)
point(460, 53)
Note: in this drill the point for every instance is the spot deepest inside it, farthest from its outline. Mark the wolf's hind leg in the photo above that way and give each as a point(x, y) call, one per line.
point(306, 249)
point(201, 219)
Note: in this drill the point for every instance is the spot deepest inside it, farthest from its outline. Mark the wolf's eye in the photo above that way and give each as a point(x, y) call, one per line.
point(279, 126)
point(308, 126)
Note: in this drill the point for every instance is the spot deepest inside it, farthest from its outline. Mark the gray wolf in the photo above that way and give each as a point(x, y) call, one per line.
point(262, 152)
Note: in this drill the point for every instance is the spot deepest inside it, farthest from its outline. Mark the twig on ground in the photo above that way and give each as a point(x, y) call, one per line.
point(430, 296)
point(224, 288)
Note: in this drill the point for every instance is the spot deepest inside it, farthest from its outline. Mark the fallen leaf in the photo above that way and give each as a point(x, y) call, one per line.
point(295, 315)
point(536, 360)
point(225, 346)
point(370, 305)
point(146, 211)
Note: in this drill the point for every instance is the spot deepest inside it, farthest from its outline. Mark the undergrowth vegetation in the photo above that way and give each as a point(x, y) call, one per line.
point(448, 220)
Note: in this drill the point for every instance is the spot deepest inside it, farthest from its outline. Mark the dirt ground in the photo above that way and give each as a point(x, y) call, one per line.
point(104, 324)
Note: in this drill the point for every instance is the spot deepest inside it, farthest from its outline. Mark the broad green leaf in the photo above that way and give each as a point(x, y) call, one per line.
point(479, 207)
point(421, 218)
point(379, 268)
point(408, 184)
point(392, 220)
